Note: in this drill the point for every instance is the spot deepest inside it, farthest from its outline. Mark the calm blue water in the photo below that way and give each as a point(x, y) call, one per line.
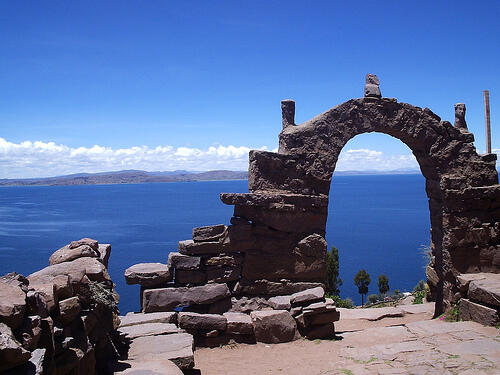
point(377, 222)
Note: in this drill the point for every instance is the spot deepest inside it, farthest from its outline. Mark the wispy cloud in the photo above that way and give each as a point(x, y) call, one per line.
point(41, 159)
point(45, 159)
point(365, 159)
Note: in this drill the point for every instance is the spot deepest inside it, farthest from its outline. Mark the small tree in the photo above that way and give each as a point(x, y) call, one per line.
point(362, 280)
point(383, 284)
point(333, 281)
point(372, 298)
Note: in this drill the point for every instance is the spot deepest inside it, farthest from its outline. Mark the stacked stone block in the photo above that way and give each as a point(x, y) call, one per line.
point(217, 289)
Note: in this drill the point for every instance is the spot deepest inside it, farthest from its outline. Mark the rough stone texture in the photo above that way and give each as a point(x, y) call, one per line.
point(288, 194)
point(104, 253)
point(238, 323)
point(249, 304)
point(75, 270)
point(190, 277)
point(68, 253)
point(147, 367)
point(486, 291)
point(148, 329)
point(12, 304)
point(148, 274)
point(165, 299)
point(177, 347)
point(280, 302)
point(460, 122)
point(189, 247)
point(209, 233)
point(478, 313)
point(132, 319)
point(69, 309)
point(307, 296)
point(273, 326)
point(12, 354)
point(273, 288)
point(189, 320)
point(183, 262)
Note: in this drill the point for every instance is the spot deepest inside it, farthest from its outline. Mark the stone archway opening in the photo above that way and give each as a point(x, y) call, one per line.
point(378, 219)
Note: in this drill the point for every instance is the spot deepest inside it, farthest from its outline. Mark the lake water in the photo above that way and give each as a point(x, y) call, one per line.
point(379, 223)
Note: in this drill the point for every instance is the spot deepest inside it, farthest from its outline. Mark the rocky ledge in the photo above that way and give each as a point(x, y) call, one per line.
point(63, 318)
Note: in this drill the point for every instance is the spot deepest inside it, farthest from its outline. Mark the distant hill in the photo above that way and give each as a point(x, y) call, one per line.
point(137, 177)
point(126, 177)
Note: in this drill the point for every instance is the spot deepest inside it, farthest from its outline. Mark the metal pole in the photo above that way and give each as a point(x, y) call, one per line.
point(487, 120)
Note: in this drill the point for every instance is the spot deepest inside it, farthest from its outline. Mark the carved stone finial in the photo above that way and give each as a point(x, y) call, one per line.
point(372, 86)
point(287, 112)
point(460, 122)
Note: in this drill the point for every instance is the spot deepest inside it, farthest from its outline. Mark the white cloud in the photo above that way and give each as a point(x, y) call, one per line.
point(365, 159)
point(40, 159)
point(43, 159)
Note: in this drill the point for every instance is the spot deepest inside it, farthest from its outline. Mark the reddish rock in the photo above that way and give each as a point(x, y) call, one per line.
point(189, 247)
point(12, 304)
point(307, 296)
point(183, 262)
point(190, 277)
point(84, 241)
point(193, 321)
point(273, 326)
point(69, 309)
point(165, 299)
point(132, 319)
point(12, 354)
point(280, 302)
point(104, 253)
point(486, 291)
point(148, 274)
point(479, 313)
point(68, 253)
point(75, 270)
point(209, 233)
point(238, 323)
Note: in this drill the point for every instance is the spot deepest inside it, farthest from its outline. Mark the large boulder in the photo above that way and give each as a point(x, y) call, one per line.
point(486, 291)
point(12, 304)
point(69, 309)
point(67, 254)
point(76, 270)
point(12, 354)
point(148, 274)
point(273, 326)
point(166, 299)
point(479, 313)
point(307, 296)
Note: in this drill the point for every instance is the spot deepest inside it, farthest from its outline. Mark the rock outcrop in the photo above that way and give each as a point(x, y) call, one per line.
point(63, 318)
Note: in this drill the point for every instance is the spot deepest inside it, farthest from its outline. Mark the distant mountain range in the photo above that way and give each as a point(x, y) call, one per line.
point(136, 177)
point(126, 177)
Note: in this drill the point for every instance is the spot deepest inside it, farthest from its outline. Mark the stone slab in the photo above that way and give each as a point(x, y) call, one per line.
point(280, 302)
point(148, 329)
point(148, 274)
point(189, 247)
point(147, 367)
point(371, 314)
point(209, 233)
point(132, 319)
point(165, 299)
point(486, 291)
point(12, 304)
point(238, 323)
point(177, 347)
point(307, 296)
point(183, 262)
point(273, 288)
point(189, 320)
point(479, 313)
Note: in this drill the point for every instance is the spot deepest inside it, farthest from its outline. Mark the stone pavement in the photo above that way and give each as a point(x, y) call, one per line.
point(384, 346)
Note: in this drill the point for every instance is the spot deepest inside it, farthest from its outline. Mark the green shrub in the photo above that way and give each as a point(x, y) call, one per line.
point(419, 297)
point(339, 302)
point(372, 298)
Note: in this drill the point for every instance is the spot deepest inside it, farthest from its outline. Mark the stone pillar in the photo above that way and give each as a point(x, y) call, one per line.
point(372, 86)
point(287, 112)
point(460, 122)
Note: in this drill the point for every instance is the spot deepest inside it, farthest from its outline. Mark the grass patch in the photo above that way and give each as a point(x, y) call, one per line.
point(346, 371)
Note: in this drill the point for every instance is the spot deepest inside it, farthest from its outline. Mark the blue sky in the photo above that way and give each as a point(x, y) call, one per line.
point(162, 85)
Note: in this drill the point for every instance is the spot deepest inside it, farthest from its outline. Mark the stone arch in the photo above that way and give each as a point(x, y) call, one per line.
point(288, 193)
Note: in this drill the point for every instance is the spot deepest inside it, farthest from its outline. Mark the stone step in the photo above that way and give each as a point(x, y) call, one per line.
point(176, 347)
point(148, 329)
point(150, 367)
point(132, 319)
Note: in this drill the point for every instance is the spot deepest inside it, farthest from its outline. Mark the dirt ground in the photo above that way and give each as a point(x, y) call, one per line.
point(385, 345)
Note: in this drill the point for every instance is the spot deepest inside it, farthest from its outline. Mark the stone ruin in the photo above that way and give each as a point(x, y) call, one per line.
point(261, 278)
